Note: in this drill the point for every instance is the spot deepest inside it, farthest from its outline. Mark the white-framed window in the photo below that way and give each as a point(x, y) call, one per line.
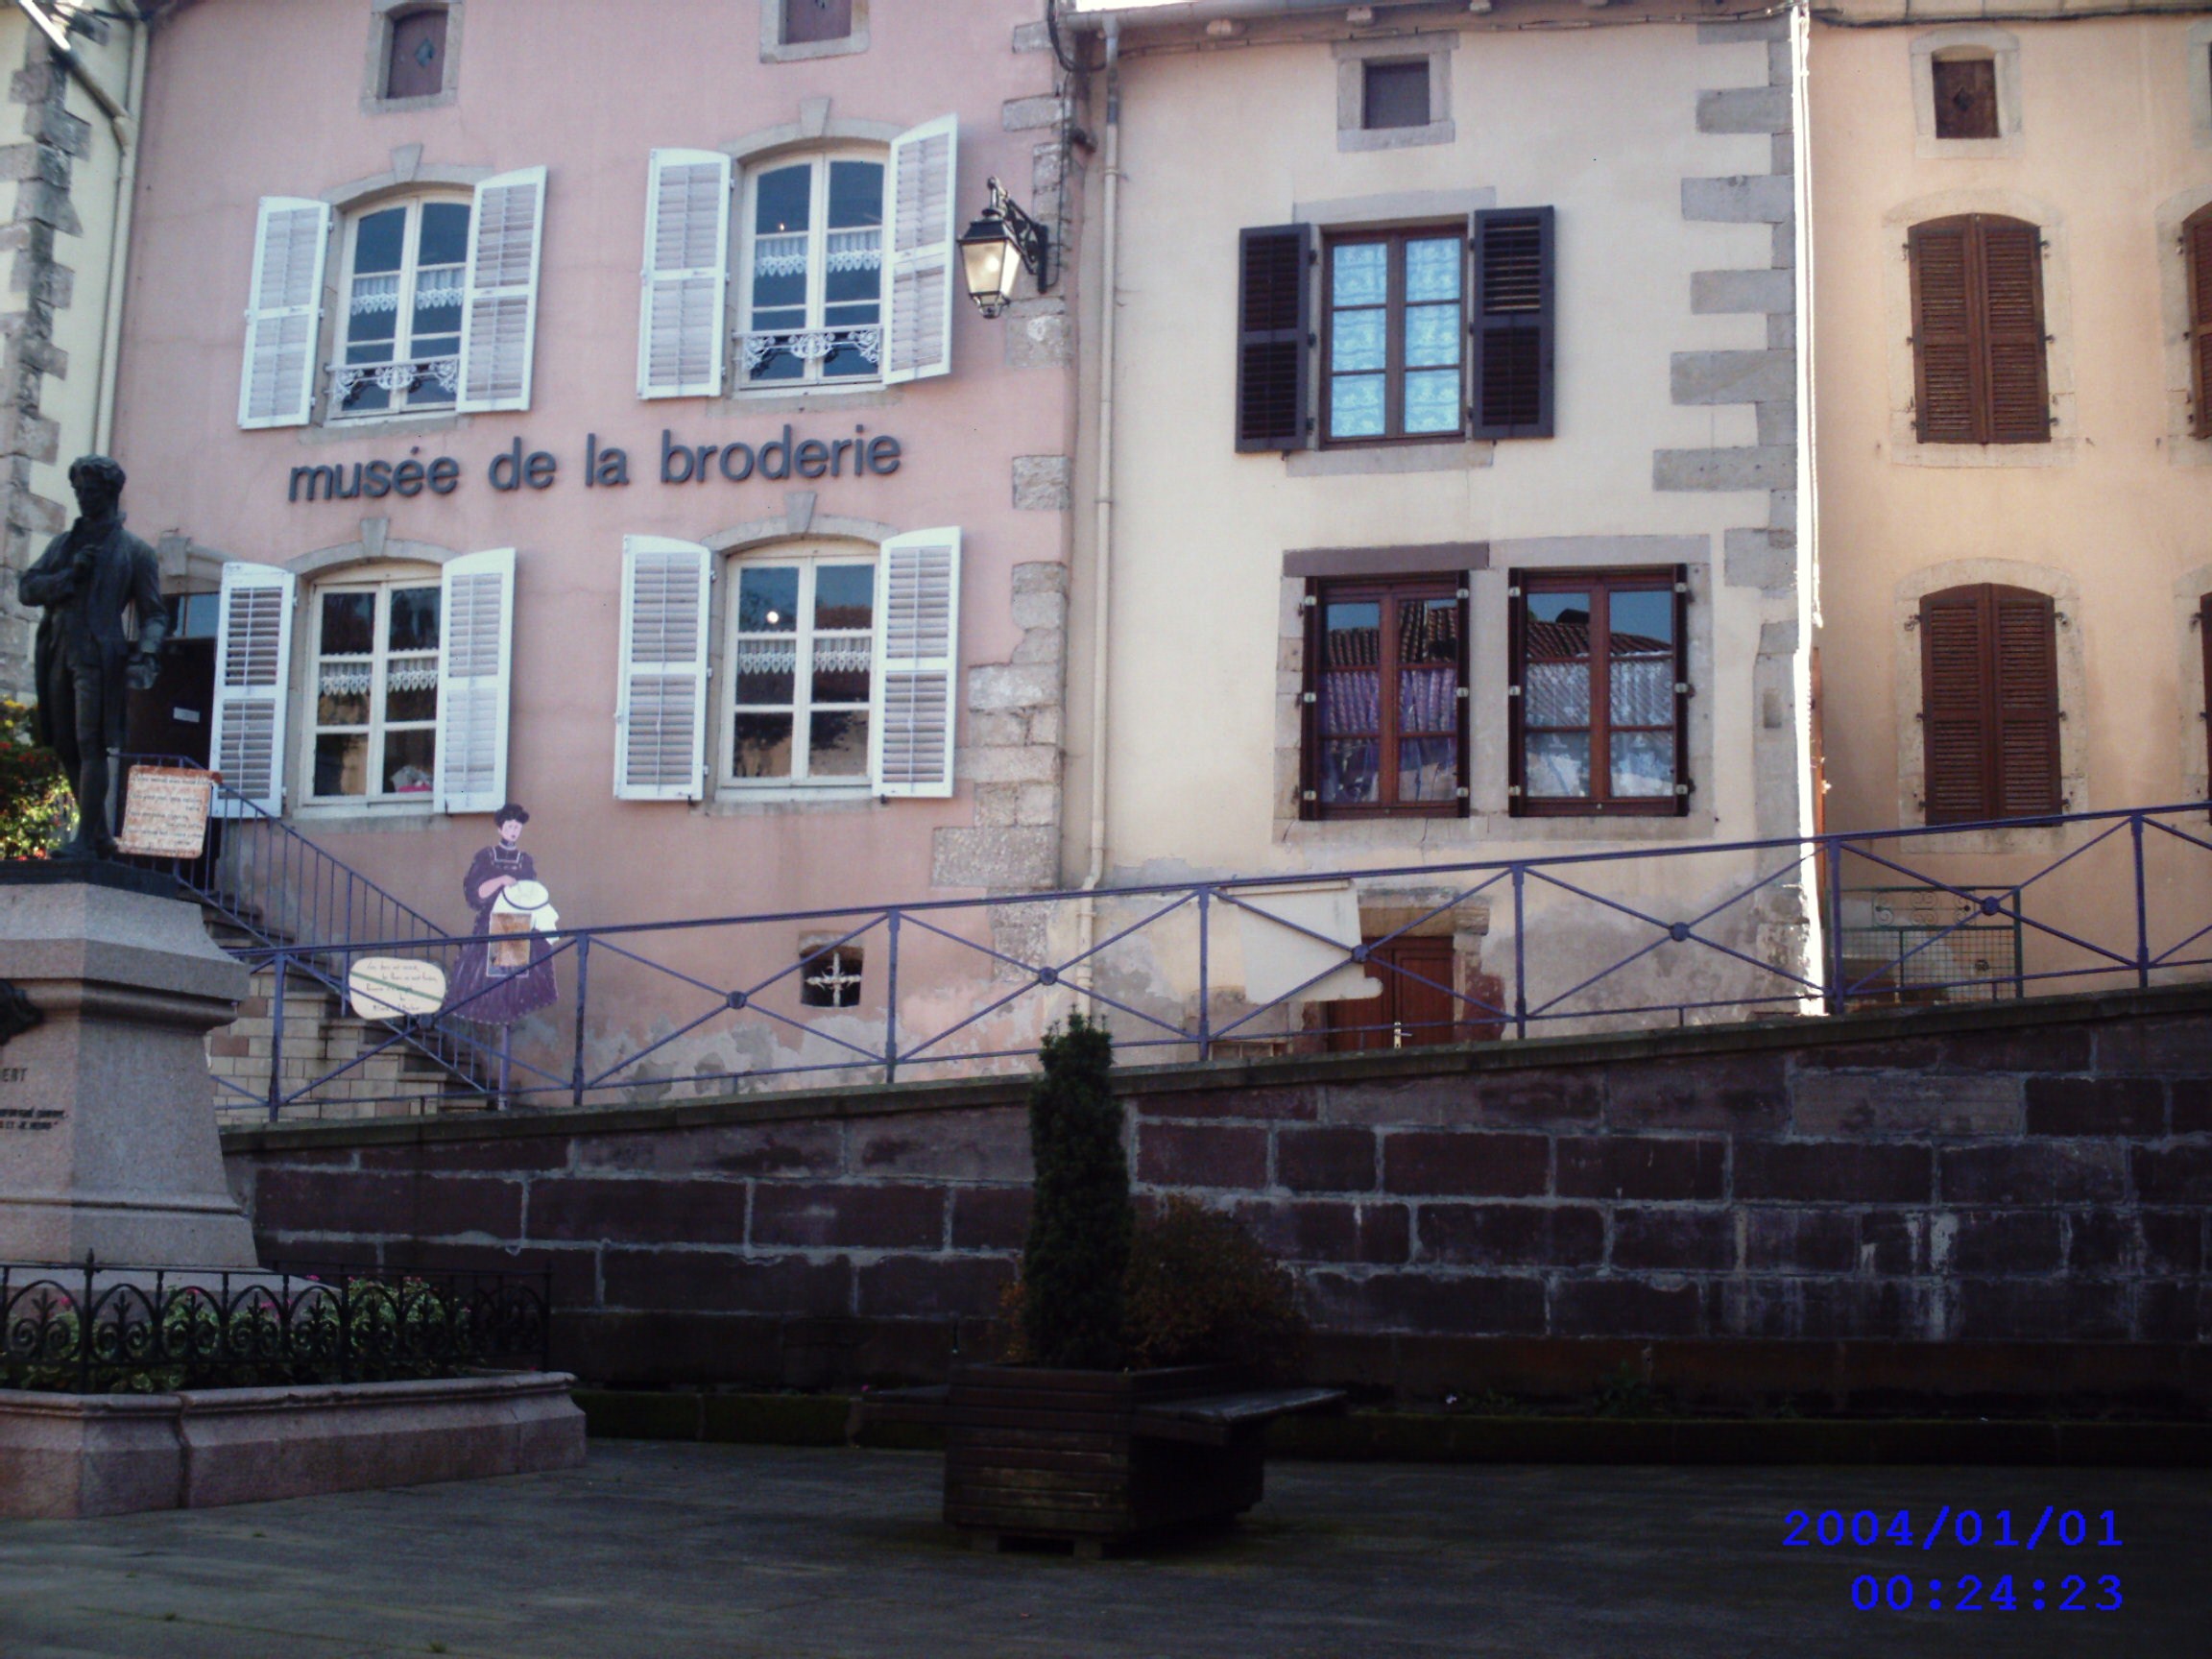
point(801, 657)
point(373, 676)
point(399, 347)
point(437, 305)
point(813, 270)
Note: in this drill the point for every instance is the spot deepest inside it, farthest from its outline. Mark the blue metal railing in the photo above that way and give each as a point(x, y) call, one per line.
point(966, 984)
point(281, 890)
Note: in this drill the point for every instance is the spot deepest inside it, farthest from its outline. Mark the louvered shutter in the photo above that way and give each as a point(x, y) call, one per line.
point(1954, 696)
point(2011, 255)
point(2196, 242)
point(917, 649)
point(475, 658)
point(499, 310)
point(660, 704)
point(283, 312)
point(1274, 337)
point(919, 269)
point(2025, 639)
point(252, 672)
point(679, 332)
point(1512, 325)
point(1945, 382)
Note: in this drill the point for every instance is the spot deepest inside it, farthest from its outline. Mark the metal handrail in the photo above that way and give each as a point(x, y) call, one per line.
point(1817, 980)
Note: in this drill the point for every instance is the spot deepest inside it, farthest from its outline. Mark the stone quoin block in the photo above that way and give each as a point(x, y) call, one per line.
point(990, 1218)
point(1201, 1155)
point(720, 1149)
point(1800, 1240)
point(1467, 1305)
point(1744, 109)
point(1834, 1171)
point(1995, 1241)
point(934, 1287)
point(2035, 1172)
point(1418, 1161)
point(1365, 1235)
point(1743, 199)
point(860, 1217)
point(1622, 1306)
point(1674, 1241)
point(2096, 1106)
point(1512, 1234)
point(1641, 1166)
point(1701, 377)
point(638, 1212)
point(723, 1282)
point(1717, 292)
point(1324, 1159)
point(1769, 467)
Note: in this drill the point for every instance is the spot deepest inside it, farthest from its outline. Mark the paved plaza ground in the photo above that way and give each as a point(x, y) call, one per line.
point(659, 1551)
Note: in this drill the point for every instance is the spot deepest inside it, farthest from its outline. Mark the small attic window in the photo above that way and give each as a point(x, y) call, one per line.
point(1965, 97)
point(415, 67)
point(808, 20)
point(1395, 94)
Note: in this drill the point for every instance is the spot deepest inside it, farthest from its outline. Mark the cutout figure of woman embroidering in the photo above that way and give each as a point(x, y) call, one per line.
point(503, 980)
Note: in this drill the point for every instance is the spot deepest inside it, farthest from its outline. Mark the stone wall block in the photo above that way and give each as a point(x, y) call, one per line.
point(1876, 1102)
point(1201, 1155)
point(1648, 1168)
point(1739, 1091)
point(1626, 1306)
point(1834, 1171)
point(2096, 1106)
point(991, 1218)
point(1715, 292)
point(1040, 576)
point(1769, 467)
point(1796, 1240)
point(1744, 109)
point(1042, 610)
point(721, 1281)
point(997, 686)
point(638, 1212)
point(1324, 1159)
point(1745, 199)
point(1428, 1162)
point(1002, 860)
point(1457, 1305)
point(1512, 1234)
point(1041, 484)
point(932, 1286)
point(2047, 1172)
point(2175, 1175)
point(734, 1149)
point(990, 1145)
point(1026, 115)
point(1376, 1235)
point(819, 1215)
point(339, 1201)
point(1674, 1241)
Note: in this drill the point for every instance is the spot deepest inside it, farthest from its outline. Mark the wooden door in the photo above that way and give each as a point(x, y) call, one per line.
point(1416, 1005)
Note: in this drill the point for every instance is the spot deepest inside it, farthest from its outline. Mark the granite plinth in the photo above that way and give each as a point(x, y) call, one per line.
point(108, 1146)
point(69, 1455)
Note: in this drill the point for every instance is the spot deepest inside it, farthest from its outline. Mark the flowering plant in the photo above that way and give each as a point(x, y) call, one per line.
point(35, 809)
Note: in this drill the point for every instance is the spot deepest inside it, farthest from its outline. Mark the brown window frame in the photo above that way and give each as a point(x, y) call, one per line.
point(1395, 237)
point(1410, 68)
point(2197, 271)
point(1386, 591)
point(1599, 583)
point(1975, 340)
point(796, 33)
point(1937, 76)
point(2000, 703)
point(395, 30)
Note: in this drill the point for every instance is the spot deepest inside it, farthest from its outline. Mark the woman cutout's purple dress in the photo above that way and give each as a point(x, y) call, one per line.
point(507, 995)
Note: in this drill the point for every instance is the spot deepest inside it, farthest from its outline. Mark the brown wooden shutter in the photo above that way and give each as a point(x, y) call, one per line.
point(1955, 705)
point(2197, 239)
point(1274, 373)
point(1512, 325)
point(2012, 331)
point(2026, 645)
point(2204, 642)
point(1944, 389)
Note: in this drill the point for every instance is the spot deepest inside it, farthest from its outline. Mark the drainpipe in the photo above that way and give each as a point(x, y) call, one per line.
point(1103, 536)
point(119, 240)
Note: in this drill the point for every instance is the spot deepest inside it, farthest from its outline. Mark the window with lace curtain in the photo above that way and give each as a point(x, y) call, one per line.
point(401, 296)
point(1600, 693)
point(801, 657)
point(374, 715)
point(1385, 700)
point(811, 272)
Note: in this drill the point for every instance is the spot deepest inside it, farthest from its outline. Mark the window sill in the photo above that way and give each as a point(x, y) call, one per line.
point(332, 818)
point(1910, 451)
point(1350, 139)
point(350, 429)
point(373, 105)
point(1932, 149)
point(745, 800)
point(1485, 832)
point(1412, 456)
point(803, 51)
point(812, 400)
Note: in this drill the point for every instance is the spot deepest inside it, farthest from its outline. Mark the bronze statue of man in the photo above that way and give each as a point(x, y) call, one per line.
point(89, 576)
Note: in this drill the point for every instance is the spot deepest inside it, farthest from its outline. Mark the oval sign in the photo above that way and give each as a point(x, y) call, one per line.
point(396, 987)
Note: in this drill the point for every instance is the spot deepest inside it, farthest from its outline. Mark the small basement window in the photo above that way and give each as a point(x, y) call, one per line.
point(415, 65)
point(1394, 93)
point(829, 978)
point(1965, 97)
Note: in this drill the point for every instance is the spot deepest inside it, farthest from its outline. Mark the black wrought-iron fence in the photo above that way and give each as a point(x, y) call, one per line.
point(104, 1329)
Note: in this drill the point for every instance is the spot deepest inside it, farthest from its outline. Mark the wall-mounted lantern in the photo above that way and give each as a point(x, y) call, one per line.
point(1003, 243)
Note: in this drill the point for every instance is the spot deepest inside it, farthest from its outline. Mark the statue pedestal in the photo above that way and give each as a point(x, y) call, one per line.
point(108, 1141)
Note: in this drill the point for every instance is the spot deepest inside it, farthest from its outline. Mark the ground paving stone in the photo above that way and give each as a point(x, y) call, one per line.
point(658, 1550)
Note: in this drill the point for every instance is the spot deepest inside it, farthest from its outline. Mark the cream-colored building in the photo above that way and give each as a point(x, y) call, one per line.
point(2012, 287)
point(68, 135)
point(1450, 350)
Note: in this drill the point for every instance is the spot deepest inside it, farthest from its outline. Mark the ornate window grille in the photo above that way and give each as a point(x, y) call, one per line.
point(813, 272)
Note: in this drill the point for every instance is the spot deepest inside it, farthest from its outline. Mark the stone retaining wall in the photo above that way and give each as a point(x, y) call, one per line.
point(2008, 1200)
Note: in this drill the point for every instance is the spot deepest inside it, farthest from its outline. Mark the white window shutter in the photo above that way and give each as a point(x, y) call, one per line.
point(475, 663)
point(252, 672)
point(922, 271)
point(680, 332)
point(284, 312)
point(660, 704)
point(917, 664)
point(499, 310)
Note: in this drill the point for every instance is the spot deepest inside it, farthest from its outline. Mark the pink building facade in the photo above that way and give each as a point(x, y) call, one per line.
point(575, 402)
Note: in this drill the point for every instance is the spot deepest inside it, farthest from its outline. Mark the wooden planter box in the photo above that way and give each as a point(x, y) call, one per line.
point(1095, 1457)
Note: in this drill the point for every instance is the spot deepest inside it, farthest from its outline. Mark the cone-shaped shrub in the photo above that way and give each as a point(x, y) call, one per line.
point(1078, 1251)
